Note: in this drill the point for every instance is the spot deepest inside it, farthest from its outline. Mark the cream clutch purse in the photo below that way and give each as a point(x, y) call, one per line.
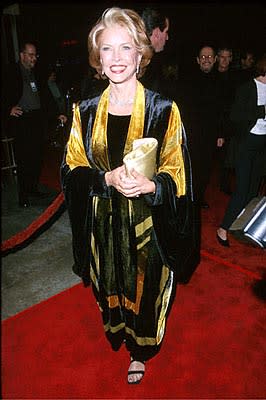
point(143, 157)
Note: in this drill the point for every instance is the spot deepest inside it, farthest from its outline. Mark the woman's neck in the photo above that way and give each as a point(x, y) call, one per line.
point(121, 97)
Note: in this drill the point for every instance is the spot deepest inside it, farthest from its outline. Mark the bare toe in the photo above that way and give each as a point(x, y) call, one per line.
point(136, 372)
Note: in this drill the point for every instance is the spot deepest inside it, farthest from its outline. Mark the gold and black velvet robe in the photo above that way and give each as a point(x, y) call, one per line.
point(115, 246)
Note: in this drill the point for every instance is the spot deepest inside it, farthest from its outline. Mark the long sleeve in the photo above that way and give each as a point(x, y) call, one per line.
point(76, 166)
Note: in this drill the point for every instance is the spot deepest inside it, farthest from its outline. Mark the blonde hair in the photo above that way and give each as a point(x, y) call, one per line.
point(136, 28)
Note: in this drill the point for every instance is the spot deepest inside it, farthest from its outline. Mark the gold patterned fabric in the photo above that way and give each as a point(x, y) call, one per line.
point(114, 242)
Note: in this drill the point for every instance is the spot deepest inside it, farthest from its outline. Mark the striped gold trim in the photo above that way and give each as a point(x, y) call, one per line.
point(143, 226)
point(165, 304)
point(113, 301)
point(94, 278)
point(143, 243)
point(163, 282)
point(114, 329)
point(129, 305)
point(142, 341)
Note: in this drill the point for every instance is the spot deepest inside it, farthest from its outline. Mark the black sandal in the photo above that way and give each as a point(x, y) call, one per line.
point(136, 372)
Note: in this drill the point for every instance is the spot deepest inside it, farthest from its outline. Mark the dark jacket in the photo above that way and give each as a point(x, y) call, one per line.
point(161, 76)
point(245, 111)
point(12, 90)
point(200, 102)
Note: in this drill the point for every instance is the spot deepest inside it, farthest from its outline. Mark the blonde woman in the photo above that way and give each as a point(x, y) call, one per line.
point(113, 214)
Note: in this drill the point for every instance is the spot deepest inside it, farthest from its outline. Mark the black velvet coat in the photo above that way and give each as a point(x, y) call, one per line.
point(116, 242)
point(81, 184)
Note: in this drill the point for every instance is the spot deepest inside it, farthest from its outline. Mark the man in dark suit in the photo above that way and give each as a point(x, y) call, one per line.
point(162, 72)
point(25, 121)
point(200, 106)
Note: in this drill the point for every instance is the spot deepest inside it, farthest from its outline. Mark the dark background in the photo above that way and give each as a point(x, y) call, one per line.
point(61, 29)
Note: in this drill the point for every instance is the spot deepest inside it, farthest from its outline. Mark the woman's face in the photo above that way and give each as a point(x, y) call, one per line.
point(118, 54)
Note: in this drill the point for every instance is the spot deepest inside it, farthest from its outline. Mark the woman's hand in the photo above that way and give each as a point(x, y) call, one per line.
point(132, 186)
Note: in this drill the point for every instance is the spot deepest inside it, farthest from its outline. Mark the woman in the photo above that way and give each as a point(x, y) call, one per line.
point(114, 241)
point(248, 114)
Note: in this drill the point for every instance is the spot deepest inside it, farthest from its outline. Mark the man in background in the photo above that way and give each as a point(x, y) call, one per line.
point(162, 70)
point(200, 107)
point(246, 67)
point(25, 121)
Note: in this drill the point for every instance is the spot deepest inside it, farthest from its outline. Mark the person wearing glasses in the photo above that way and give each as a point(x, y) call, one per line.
point(200, 106)
point(25, 121)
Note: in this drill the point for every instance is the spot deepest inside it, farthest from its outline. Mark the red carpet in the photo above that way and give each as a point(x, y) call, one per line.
point(57, 350)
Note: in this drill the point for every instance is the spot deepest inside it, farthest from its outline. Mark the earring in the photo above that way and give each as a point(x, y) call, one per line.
point(137, 70)
point(102, 66)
